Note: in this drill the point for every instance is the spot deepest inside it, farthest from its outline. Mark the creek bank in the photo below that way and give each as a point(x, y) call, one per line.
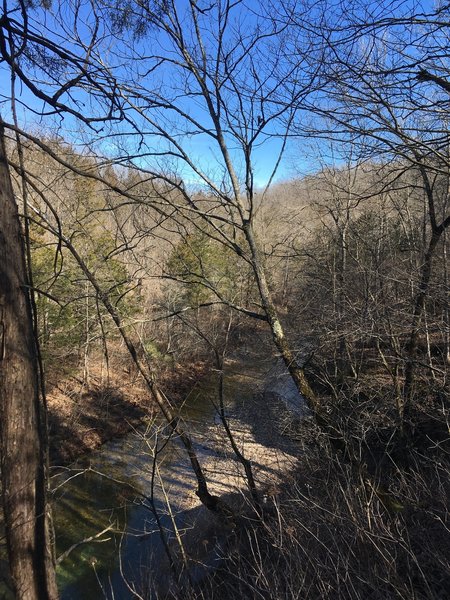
point(257, 434)
point(259, 415)
point(83, 417)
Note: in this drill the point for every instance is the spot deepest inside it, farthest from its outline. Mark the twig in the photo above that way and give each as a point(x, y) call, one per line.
point(92, 538)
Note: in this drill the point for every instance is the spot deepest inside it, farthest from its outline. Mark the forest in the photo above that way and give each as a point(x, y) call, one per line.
point(224, 299)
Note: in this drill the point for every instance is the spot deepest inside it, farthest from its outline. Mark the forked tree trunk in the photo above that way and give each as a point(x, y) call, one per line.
point(437, 231)
point(23, 465)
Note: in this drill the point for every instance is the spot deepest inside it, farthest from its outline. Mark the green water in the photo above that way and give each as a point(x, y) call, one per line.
point(110, 490)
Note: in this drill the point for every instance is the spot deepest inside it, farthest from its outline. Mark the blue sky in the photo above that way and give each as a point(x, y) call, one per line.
point(251, 94)
point(32, 111)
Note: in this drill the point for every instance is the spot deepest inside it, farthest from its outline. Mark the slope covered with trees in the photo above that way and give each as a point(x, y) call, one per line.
point(157, 232)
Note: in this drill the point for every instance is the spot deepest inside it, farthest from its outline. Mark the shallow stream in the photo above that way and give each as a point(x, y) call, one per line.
point(111, 489)
point(110, 493)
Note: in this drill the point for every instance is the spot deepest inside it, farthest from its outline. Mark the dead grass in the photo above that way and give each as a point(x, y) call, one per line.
point(365, 519)
point(328, 534)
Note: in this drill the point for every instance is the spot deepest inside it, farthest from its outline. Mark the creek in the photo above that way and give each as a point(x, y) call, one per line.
point(109, 492)
point(112, 488)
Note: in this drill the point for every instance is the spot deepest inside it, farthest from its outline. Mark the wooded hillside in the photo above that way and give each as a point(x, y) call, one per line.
point(190, 189)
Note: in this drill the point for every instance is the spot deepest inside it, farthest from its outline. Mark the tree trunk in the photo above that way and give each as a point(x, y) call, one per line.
point(23, 465)
point(296, 371)
point(419, 307)
point(213, 503)
point(446, 302)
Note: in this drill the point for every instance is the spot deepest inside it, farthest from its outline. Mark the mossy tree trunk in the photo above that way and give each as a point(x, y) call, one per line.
point(278, 335)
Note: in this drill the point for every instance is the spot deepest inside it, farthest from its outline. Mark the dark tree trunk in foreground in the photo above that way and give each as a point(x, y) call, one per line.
point(23, 466)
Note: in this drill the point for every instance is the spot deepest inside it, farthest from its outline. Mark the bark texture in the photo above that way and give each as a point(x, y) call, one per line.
point(23, 466)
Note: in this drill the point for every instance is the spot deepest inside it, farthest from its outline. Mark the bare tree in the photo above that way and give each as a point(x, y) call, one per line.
point(218, 79)
point(23, 413)
point(384, 85)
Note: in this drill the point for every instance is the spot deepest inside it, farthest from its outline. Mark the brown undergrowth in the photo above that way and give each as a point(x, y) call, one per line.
point(330, 535)
point(84, 414)
point(366, 518)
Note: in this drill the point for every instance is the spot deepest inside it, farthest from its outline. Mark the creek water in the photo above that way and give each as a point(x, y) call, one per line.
point(111, 489)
